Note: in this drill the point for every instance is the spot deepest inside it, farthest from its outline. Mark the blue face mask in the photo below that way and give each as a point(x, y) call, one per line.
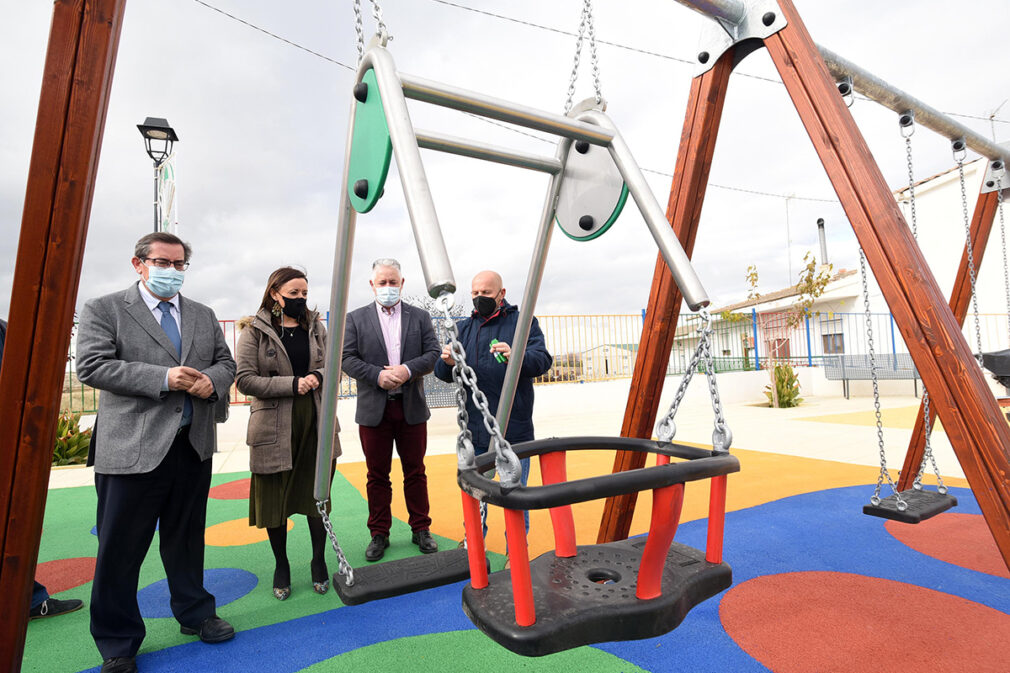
point(164, 283)
point(387, 296)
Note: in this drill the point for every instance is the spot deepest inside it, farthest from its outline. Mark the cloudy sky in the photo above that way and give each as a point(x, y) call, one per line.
point(262, 126)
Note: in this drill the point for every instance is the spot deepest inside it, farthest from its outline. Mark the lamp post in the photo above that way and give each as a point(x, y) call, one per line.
point(158, 140)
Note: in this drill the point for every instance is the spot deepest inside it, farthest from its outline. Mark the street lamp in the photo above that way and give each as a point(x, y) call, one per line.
point(158, 140)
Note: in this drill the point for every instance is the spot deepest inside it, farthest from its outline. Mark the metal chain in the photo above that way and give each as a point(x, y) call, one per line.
point(585, 25)
point(343, 567)
point(959, 158)
point(380, 26)
point(884, 474)
point(907, 122)
point(506, 461)
point(722, 436)
point(359, 30)
point(1002, 235)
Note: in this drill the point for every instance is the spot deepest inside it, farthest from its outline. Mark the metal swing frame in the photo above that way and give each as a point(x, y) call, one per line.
point(586, 123)
point(978, 432)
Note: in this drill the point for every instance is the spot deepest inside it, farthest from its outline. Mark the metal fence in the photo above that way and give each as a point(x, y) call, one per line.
point(589, 348)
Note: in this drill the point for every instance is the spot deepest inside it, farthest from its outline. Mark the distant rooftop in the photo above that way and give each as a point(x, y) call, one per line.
point(778, 294)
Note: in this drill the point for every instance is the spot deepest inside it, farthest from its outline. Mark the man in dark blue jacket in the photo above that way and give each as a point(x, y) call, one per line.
point(495, 319)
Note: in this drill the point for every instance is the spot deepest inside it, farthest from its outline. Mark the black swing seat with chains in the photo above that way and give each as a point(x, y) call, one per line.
point(922, 505)
point(626, 590)
point(403, 576)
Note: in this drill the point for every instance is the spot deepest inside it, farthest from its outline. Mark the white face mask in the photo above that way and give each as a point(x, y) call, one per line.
point(387, 295)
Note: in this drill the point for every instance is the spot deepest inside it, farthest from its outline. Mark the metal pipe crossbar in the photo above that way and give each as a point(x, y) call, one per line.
point(425, 90)
point(432, 140)
point(897, 100)
point(871, 86)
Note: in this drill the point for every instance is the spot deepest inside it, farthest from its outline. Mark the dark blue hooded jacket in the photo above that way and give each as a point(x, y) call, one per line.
point(476, 334)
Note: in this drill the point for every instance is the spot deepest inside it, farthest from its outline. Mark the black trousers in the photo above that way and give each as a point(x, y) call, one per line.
point(129, 508)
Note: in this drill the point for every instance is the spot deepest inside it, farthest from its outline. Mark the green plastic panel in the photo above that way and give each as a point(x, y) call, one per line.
point(371, 147)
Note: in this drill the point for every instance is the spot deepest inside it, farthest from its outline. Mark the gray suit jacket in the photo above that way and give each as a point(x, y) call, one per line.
point(364, 356)
point(123, 352)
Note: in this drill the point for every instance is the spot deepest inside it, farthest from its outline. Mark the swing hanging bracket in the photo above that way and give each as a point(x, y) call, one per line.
point(756, 20)
point(996, 176)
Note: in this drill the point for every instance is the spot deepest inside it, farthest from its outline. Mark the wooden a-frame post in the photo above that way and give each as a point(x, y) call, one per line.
point(970, 416)
point(960, 299)
point(76, 82)
point(697, 145)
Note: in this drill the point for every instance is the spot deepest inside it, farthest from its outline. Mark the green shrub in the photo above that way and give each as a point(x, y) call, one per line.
point(787, 386)
point(71, 442)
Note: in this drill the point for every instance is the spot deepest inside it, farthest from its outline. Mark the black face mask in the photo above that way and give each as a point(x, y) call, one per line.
point(485, 306)
point(294, 307)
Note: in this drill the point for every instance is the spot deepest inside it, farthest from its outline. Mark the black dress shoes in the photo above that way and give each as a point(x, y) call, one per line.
point(211, 630)
point(376, 548)
point(424, 541)
point(119, 665)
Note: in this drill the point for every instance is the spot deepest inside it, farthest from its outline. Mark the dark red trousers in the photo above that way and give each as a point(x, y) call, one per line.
point(411, 444)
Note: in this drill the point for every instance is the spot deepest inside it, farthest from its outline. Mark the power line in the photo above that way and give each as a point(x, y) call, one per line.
point(275, 36)
point(667, 57)
point(540, 138)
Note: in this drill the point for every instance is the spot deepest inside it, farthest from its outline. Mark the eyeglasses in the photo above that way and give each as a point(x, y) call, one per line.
point(162, 263)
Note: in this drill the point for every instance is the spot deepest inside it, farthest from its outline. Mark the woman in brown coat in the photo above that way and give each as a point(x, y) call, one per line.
point(281, 354)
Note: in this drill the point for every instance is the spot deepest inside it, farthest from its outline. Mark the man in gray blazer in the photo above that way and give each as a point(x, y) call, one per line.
point(161, 362)
point(388, 348)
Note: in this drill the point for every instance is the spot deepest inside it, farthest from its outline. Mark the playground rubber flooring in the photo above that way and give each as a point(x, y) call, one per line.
point(817, 587)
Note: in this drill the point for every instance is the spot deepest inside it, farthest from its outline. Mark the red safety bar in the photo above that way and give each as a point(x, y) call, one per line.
point(553, 471)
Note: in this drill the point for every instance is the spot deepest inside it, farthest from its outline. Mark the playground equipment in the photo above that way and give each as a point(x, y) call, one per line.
point(574, 595)
point(74, 98)
point(915, 504)
point(818, 81)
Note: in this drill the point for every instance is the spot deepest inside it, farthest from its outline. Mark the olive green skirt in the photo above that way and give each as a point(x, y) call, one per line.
point(274, 497)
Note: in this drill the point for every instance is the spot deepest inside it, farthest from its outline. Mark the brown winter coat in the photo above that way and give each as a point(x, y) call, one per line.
point(264, 373)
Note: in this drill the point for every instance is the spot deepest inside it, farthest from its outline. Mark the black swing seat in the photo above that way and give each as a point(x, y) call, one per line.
point(591, 598)
point(998, 363)
point(922, 505)
point(403, 576)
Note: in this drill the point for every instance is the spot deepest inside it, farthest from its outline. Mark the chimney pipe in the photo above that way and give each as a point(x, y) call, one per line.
point(824, 243)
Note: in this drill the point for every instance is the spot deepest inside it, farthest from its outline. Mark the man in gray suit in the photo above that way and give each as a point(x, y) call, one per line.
point(161, 362)
point(388, 348)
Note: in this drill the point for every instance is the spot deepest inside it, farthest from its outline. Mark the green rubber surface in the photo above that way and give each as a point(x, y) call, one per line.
point(371, 147)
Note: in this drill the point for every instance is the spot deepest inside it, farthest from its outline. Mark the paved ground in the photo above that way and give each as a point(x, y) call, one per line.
point(829, 428)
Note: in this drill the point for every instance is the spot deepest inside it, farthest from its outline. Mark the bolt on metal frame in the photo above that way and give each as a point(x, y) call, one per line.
point(585, 125)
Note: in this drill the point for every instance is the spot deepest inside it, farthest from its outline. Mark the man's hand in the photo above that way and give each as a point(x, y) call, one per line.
point(203, 387)
point(182, 378)
point(400, 372)
point(388, 380)
point(503, 348)
point(447, 356)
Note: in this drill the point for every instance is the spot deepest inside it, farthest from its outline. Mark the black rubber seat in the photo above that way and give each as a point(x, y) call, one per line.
point(922, 505)
point(590, 598)
point(403, 576)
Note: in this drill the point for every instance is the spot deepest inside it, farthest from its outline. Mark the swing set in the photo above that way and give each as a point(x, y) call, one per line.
point(616, 588)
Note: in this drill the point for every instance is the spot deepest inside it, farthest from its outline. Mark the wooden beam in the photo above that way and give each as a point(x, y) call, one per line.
point(687, 193)
point(976, 429)
point(960, 298)
point(76, 82)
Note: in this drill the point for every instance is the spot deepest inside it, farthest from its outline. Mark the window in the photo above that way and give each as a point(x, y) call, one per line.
point(777, 348)
point(834, 344)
